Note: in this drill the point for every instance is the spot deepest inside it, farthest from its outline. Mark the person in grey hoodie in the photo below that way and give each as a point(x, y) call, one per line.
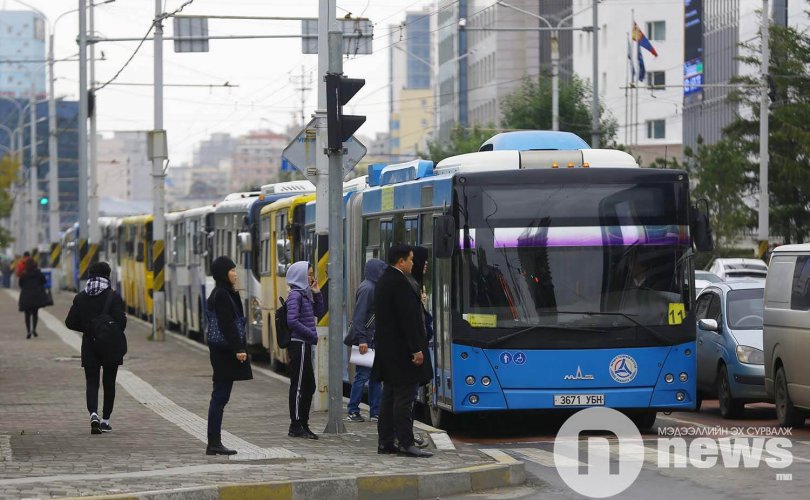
point(304, 306)
point(362, 335)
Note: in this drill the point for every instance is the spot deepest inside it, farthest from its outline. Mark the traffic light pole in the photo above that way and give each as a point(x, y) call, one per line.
point(158, 154)
point(333, 43)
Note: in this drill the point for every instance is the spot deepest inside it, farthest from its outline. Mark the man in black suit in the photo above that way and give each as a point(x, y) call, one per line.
point(401, 352)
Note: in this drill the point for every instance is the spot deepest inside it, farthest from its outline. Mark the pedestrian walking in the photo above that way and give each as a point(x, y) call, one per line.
point(304, 305)
point(361, 334)
point(230, 361)
point(399, 361)
point(93, 309)
point(33, 296)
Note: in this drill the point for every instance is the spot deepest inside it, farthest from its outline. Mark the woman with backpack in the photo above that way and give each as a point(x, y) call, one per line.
point(304, 306)
point(229, 360)
point(98, 299)
point(33, 295)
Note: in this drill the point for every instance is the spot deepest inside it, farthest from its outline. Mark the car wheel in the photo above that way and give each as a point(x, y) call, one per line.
point(787, 414)
point(729, 407)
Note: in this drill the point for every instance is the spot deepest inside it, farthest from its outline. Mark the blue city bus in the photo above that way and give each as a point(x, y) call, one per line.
point(560, 279)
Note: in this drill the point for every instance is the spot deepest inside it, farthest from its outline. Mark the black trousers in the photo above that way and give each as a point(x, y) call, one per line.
point(91, 375)
point(302, 381)
point(396, 415)
point(31, 318)
point(216, 408)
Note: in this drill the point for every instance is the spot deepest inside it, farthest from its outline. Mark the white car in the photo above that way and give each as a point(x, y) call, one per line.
point(740, 269)
point(704, 279)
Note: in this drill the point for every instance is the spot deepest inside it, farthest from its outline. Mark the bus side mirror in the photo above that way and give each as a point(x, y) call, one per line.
point(444, 229)
point(245, 242)
point(701, 229)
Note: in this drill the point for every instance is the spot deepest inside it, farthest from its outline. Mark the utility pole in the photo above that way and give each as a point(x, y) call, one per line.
point(33, 174)
point(95, 233)
point(83, 229)
point(159, 153)
point(595, 100)
point(555, 81)
point(764, 104)
point(53, 151)
point(303, 83)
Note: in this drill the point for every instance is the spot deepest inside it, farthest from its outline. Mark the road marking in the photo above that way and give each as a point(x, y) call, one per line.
point(149, 474)
point(5, 448)
point(150, 397)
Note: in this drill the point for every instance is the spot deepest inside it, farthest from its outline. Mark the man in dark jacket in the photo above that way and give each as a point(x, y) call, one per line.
point(362, 333)
point(401, 352)
point(87, 305)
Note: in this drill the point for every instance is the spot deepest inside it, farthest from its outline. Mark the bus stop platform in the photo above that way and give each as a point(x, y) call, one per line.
point(157, 447)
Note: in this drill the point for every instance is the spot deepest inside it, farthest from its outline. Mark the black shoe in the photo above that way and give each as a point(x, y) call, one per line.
point(297, 431)
point(34, 334)
point(308, 432)
point(105, 427)
point(355, 417)
point(28, 336)
point(387, 449)
point(419, 442)
point(218, 449)
point(413, 451)
point(95, 424)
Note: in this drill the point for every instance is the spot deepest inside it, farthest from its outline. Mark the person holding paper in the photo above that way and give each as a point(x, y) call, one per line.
point(361, 334)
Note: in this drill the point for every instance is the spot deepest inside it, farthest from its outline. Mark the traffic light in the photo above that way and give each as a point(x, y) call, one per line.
point(43, 201)
point(340, 127)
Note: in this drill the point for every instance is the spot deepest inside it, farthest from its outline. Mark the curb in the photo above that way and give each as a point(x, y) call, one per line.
point(506, 472)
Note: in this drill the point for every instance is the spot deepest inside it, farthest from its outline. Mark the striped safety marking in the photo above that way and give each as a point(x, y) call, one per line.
point(323, 276)
point(158, 261)
point(88, 254)
point(56, 252)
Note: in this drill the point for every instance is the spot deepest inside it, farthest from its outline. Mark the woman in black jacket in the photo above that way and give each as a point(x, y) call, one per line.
point(230, 363)
point(32, 296)
point(87, 305)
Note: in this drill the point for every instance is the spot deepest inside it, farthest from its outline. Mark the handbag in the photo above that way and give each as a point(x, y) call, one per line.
point(46, 299)
point(350, 336)
point(216, 337)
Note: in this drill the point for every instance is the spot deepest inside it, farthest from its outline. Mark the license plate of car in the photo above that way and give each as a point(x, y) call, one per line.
point(579, 400)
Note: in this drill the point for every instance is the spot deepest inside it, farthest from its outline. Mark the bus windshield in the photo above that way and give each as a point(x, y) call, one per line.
point(606, 255)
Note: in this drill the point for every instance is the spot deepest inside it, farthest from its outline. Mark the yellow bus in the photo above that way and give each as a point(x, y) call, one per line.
point(136, 265)
point(280, 244)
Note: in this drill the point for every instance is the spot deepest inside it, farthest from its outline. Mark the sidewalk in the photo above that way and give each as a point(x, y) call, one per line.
point(159, 431)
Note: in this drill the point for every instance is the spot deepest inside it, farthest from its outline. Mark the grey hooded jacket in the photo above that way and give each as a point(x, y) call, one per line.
point(364, 304)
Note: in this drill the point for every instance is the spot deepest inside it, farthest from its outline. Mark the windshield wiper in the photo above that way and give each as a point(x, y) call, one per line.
point(628, 317)
point(503, 339)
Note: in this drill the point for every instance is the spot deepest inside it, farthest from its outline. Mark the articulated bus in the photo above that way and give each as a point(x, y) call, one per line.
point(559, 279)
point(136, 264)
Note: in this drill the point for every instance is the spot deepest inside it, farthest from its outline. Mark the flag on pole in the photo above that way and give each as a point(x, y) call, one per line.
point(638, 36)
point(642, 71)
point(630, 61)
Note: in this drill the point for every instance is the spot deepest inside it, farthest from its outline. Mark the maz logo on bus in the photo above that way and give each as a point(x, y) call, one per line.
point(578, 375)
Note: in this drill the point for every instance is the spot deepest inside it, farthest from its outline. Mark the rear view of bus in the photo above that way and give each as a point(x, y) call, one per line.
point(569, 285)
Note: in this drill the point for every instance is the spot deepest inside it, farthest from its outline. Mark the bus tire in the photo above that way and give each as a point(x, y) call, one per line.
point(729, 407)
point(439, 418)
point(787, 414)
point(644, 420)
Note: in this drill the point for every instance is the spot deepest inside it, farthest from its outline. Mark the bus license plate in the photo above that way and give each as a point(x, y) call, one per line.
point(579, 400)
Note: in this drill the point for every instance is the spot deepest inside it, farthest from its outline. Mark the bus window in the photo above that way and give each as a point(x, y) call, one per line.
point(426, 236)
point(411, 231)
point(372, 243)
point(386, 238)
point(283, 255)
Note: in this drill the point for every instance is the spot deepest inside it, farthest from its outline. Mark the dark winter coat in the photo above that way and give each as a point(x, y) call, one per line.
point(302, 315)
point(400, 332)
point(32, 291)
point(86, 307)
point(362, 327)
point(227, 304)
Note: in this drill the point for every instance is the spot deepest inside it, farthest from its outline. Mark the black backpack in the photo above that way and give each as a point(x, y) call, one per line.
point(282, 329)
point(109, 341)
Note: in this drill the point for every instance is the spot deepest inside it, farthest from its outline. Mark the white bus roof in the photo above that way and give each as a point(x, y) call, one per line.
point(513, 160)
point(296, 187)
point(801, 247)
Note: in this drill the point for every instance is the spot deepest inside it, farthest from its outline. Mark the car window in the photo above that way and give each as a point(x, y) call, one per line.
point(713, 312)
point(702, 305)
point(800, 289)
point(744, 308)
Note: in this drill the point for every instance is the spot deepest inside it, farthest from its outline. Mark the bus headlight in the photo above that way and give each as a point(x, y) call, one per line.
point(474, 399)
point(750, 355)
point(683, 377)
point(470, 380)
point(256, 311)
point(669, 378)
point(486, 381)
point(680, 396)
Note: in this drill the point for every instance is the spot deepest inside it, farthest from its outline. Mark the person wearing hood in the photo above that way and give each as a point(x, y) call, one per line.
point(229, 363)
point(304, 305)
point(362, 335)
point(87, 305)
point(33, 296)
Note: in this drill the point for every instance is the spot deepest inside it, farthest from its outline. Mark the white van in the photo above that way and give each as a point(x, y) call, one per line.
point(786, 333)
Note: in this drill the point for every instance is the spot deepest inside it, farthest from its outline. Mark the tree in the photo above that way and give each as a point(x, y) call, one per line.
point(8, 174)
point(789, 129)
point(462, 140)
point(529, 108)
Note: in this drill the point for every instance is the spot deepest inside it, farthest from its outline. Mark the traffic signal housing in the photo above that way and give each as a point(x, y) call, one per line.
point(340, 127)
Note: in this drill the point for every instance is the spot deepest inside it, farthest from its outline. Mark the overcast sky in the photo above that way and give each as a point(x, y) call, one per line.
point(265, 97)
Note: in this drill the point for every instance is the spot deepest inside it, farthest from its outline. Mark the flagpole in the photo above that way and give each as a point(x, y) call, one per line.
point(634, 58)
point(628, 63)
